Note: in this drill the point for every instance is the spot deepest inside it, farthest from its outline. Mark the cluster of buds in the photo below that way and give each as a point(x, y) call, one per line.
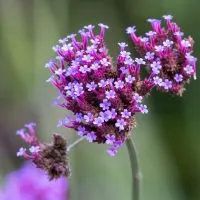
point(167, 55)
point(105, 98)
point(52, 158)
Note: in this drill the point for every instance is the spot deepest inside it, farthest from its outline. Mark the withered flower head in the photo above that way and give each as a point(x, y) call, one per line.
point(52, 158)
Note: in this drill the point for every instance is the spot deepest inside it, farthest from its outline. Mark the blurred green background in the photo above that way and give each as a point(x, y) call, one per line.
point(167, 138)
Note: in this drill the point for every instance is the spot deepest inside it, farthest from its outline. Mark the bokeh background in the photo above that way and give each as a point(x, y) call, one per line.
point(167, 139)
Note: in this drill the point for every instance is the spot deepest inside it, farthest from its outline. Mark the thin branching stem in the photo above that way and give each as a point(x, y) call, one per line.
point(75, 143)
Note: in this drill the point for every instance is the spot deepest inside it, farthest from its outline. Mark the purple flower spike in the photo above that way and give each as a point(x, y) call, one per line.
point(168, 56)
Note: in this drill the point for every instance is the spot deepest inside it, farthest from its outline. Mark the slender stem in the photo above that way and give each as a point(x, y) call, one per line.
point(75, 143)
point(135, 169)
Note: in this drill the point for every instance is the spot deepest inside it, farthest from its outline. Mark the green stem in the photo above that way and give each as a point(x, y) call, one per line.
point(75, 143)
point(135, 169)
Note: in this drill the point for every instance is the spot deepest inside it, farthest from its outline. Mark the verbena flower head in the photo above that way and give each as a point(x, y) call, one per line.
point(30, 183)
point(52, 158)
point(104, 98)
point(168, 55)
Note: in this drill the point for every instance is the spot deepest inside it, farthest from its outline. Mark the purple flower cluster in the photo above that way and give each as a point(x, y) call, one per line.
point(30, 183)
point(30, 137)
point(105, 98)
point(167, 55)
